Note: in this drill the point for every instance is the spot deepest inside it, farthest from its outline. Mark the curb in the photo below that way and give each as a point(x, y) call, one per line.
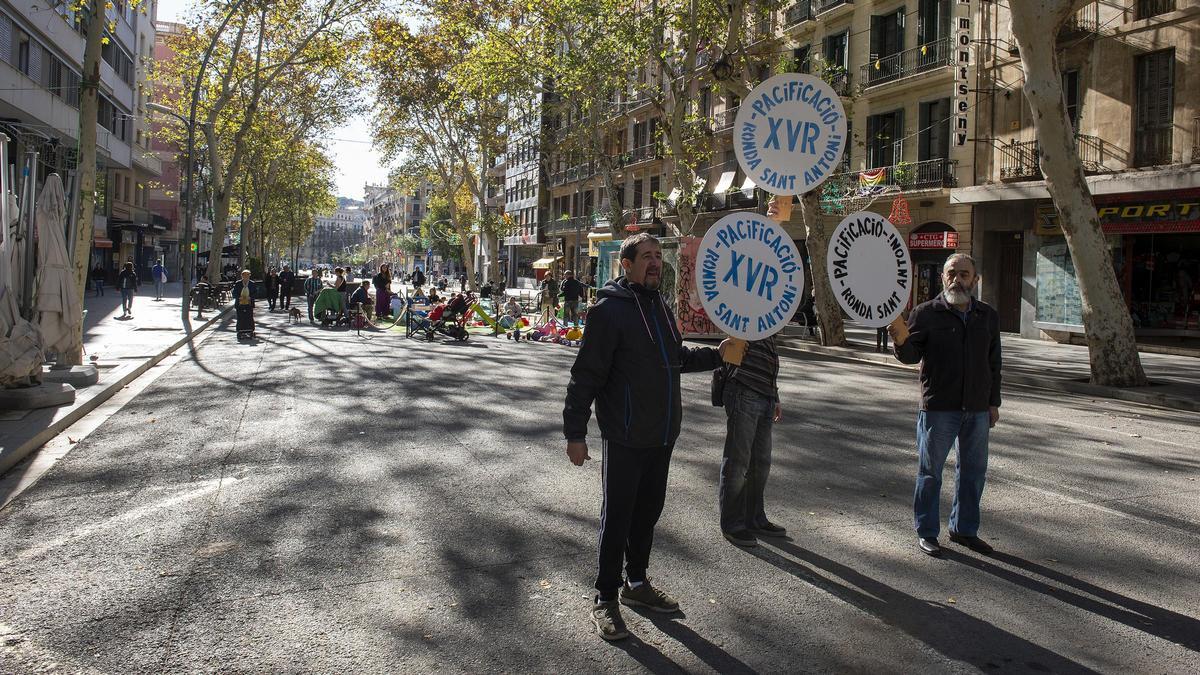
point(39, 439)
point(1014, 379)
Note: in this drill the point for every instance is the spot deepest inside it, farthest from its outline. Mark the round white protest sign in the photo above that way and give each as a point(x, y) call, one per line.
point(869, 268)
point(749, 276)
point(790, 133)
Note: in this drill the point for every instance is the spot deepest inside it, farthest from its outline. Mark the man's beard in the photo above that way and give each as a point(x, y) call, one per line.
point(652, 283)
point(955, 295)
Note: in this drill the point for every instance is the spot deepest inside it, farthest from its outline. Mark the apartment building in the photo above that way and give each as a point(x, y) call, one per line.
point(942, 142)
point(41, 55)
point(334, 235)
point(527, 252)
point(1132, 89)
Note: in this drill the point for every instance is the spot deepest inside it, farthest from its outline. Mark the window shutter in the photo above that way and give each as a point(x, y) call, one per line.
point(6, 38)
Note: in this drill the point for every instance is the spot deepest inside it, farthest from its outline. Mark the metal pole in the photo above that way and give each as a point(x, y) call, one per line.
point(30, 213)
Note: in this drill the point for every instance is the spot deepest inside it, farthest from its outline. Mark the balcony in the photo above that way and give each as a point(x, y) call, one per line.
point(907, 63)
point(561, 226)
point(572, 174)
point(930, 174)
point(1086, 19)
point(822, 6)
point(724, 120)
point(762, 28)
point(1020, 158)
point(797, 14)
point(645, 153)
point(1196, 139)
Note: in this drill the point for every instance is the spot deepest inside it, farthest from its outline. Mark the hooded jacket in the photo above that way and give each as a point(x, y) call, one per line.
point(629, 364)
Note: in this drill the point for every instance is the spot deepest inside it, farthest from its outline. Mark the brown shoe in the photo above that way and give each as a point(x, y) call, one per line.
point(606, 616)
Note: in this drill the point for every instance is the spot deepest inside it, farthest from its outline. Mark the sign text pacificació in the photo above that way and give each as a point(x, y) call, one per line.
point(790, 133)
point(750, 276)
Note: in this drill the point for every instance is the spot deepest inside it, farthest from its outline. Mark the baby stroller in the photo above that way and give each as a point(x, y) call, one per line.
point(330, 308)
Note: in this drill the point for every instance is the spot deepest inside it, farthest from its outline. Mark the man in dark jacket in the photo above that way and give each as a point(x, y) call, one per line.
point(287, 278)
point(956, 339)
point(128, 282)
point(629, 364)
point(573, 291)
point(244, 292)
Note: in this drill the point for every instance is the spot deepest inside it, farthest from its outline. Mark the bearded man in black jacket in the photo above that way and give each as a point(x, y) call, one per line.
point(629, 364)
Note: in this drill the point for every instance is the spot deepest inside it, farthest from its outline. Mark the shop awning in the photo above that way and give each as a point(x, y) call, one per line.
point(545, 263)
point(724, 184)
point(595, 238)
point(100, 242)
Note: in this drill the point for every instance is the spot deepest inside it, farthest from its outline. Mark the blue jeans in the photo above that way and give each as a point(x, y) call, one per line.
point(127, 300)
point(937, 432)
point(747, 459)
point(158, 289)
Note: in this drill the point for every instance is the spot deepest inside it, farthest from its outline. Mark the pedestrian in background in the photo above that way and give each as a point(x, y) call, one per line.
point(751, 401)
point(127, 282)
point(159, 273)
point(629, 364)
point(956, 339)
point(244, 291)
point(312, 288)
point(462, 282)
point(383, 290)
point(287, 279)
point(572, 291)
point(98, 280)
point(271, 281)
point(549, 297)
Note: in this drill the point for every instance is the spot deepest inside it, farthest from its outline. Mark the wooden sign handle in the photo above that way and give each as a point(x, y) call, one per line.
point(735, 351)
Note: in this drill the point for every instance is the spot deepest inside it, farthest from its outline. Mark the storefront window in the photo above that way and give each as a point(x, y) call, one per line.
point(1161, 282)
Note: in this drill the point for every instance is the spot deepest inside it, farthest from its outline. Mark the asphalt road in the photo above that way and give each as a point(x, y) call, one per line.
point(321, 502)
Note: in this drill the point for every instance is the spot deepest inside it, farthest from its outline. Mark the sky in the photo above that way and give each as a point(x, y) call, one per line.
point(356, 161)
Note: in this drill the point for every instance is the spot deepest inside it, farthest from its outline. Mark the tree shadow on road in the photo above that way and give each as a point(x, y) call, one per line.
point(718, 659)
point(1147, 618)
point(949, 631)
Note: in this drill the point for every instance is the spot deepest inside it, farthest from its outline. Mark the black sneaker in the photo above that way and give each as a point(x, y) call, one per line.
point(974, 543)
point(606, 616)
point(740, 538)
point(930, 546)
point(769, 529)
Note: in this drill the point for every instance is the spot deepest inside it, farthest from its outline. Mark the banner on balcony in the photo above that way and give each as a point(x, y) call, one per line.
point(750, 276)
point(869, 268)
point(790, 133)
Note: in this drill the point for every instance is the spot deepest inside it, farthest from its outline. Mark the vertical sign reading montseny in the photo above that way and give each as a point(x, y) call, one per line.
point(790, 133)
point(962, 69)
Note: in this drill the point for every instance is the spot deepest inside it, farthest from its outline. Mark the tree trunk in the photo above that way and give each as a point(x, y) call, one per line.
point(829, 313)
point(89, 104)
point(1112, 349)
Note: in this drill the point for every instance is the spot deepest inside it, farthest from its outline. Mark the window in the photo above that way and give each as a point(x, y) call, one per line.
point(885, 135)
point(1149, 8)
point(655, 187)
point(934, 140)
point(1070, 85)
point(837, 49)
point(1155, 107)
point(706, 102)
point(933, 20)
point(844, 166)
point(802, 59)
point(637, 193)
point(887, 34)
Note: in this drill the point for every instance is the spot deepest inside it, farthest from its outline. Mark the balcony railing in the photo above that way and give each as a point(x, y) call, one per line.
point(643, 154)
point(798, 13)
point(1020, 161)
point(1086, 19)
point(1196, 139)
point(930, 174)
point(725, 119)
point(572, 174)
point(569, 224)
point(1152, 146)
point(906, 63)
point(820, 6)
